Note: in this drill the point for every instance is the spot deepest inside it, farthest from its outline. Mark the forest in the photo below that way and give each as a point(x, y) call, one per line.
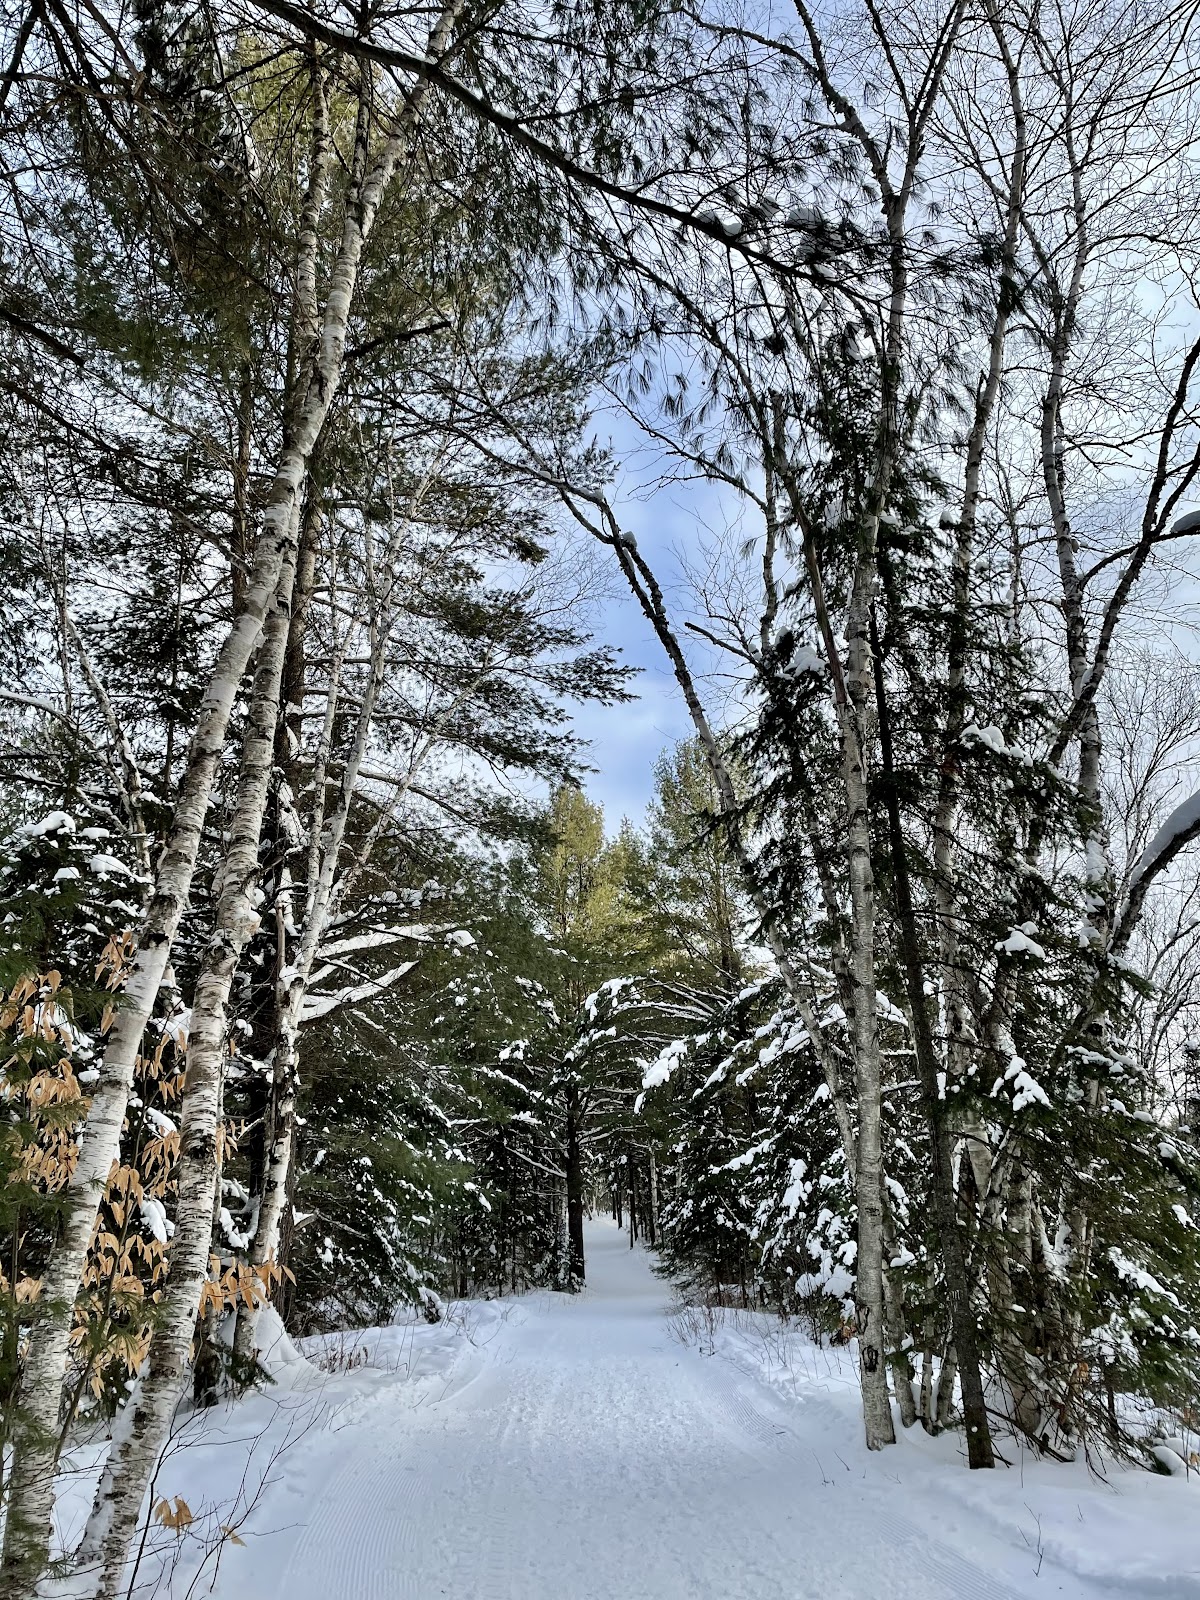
point(390, 394)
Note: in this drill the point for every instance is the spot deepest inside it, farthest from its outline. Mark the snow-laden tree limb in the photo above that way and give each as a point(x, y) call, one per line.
point(316, 1006)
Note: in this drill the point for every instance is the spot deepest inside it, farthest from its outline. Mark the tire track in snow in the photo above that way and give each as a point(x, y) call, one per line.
point(356, 1522)
point(960, 1576)
point(586, 1456)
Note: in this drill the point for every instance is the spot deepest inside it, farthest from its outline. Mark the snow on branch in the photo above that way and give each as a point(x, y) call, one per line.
point(320, 1005)
point(1178, 831)
point(377, 938)
point(1180, 828)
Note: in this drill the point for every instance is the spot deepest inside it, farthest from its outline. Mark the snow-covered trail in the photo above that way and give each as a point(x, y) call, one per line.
point(586, 1454)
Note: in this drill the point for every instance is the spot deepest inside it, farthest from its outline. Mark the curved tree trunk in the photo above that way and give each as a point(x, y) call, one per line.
point(36, 1430)
point(27, 1533)
point(143, 1425)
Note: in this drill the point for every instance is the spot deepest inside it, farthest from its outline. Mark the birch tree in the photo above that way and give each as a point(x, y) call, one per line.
point(372, 168)
point(868, 443)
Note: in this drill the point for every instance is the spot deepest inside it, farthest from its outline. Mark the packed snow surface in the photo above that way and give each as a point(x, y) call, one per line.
point(599, 1447)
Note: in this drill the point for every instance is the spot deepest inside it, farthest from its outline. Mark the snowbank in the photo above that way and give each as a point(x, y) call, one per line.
point(247, 1471)
point(1116, 1526)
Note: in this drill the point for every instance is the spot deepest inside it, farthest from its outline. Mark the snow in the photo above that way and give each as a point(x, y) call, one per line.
point(1095, 859)
point(806, 659)
point(659, 1070)
point(601, 1446)
point(154, 1215)
point(177, 1026)
point(1184, 818)
point(320, 1005)
point(797, 1190)
point(1139, 1277)
point(730, 227)
point(1026, 1090)
point(234, 1237)
point(284, 1363)
point(103, 864)
point(1031, 1528)
point(992, 738)
point(747, 1157)
point(55, 822)
point(376, 939)
point(1019, 943)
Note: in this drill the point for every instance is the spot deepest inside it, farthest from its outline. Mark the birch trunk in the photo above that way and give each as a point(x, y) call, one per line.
point(868, 1279)
point(265, 1243)
point(326, 838)
point(143, 1426)
point(901, 1363)
point(853, 695)
point(928, 1417)
point(865, 1148)
point(35, 1433)
point(947, 1374)
point(1081, 669)
point(954, 1257)
point(325, 845)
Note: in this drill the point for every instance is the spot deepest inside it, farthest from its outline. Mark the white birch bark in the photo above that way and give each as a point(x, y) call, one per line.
point(135, 1452)
point(901, 1362)
point(326, 839)
point(35, 1434)
point(868, 1279)
point(27, 1531)
point(143, 1426)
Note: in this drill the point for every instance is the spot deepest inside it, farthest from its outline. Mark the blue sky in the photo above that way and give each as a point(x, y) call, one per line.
point(670, 523)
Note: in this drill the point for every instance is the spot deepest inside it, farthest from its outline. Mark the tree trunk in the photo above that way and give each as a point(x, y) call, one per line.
point(901, 1361)
point(208, 1362)
point(326, 841)
point(928, 1417)
point(954, 1261)
point(944, 1403)
point(868, 1281)
point(27, 1532)
point(575, 1260)
point(35, 1433)
point(144, 1424)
